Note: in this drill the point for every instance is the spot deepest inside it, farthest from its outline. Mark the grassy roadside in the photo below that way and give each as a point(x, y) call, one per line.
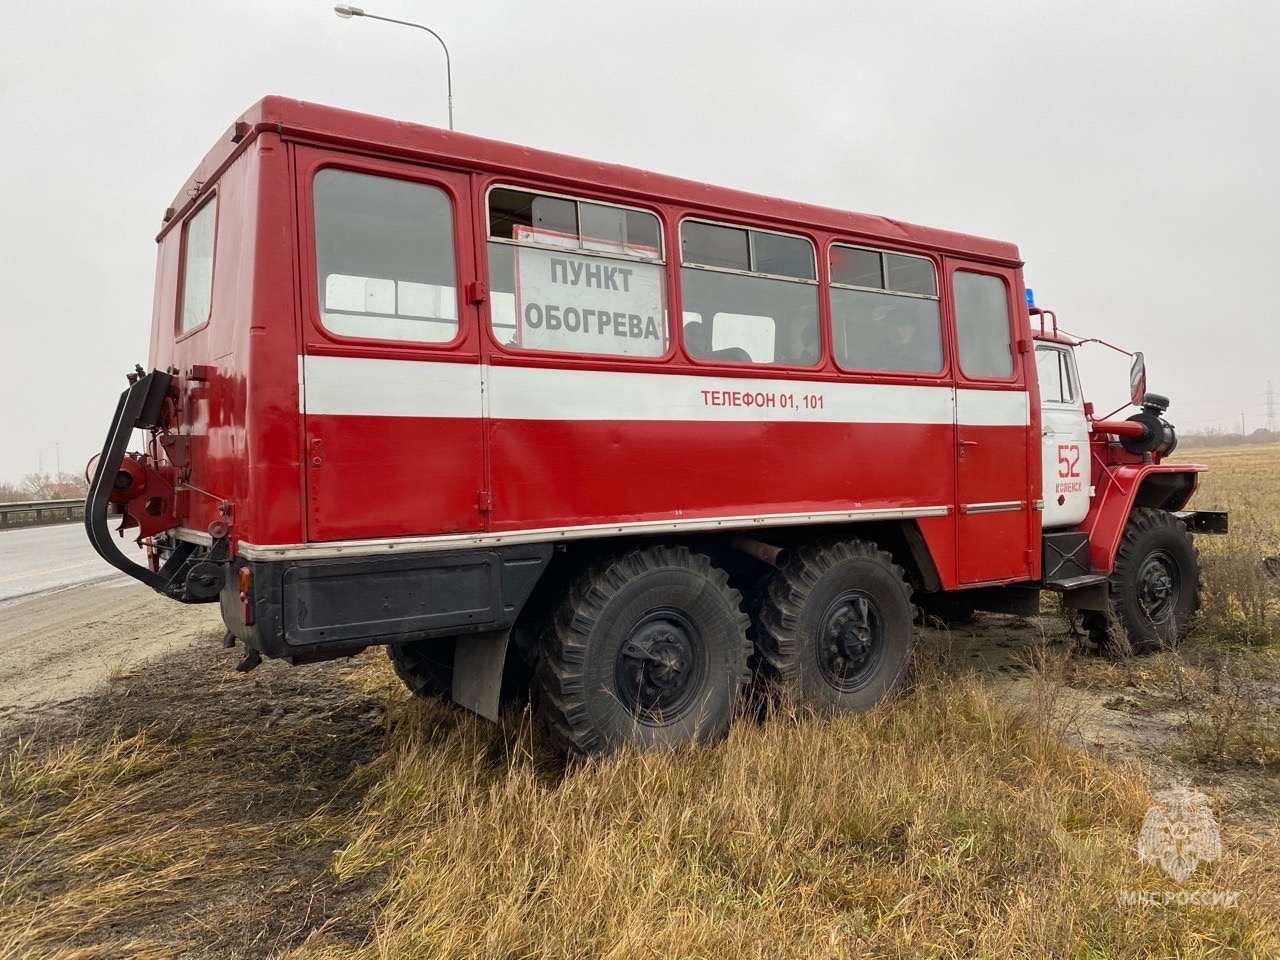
point(172, 822)
point(1242, 604)
point(1232, 675)
point(320, 813)
point(941, 826)
point(187, 811)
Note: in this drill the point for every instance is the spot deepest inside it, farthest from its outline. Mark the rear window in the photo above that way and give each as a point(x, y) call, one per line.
point(384, 258)
point(197, 265)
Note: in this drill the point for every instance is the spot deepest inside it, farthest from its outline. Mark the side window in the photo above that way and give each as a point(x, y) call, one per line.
point(982, 325)
point(749, 296)
point(1056, 375)
point(197, 265)
point(884, 311)
point(384, 258)
point(575, 276)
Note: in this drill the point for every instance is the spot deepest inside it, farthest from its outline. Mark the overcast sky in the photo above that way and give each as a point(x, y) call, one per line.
point(1128, 148)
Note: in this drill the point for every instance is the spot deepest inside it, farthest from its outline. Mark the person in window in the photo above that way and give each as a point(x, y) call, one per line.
point(905, 346)
point(802, 345)
point(697, 339)
point(811, 349)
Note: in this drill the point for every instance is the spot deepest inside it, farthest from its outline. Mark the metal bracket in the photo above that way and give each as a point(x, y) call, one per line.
point(1204, 521)
point(140, 407)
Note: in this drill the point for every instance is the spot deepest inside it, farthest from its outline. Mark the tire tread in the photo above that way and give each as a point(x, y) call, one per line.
point(777, 606)
point(1143, 521)
point(560, 674)
point(418, 665)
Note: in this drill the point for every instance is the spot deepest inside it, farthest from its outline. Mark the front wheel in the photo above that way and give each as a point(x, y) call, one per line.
point(1154, 586)
point(834, 626)
point(648, 647)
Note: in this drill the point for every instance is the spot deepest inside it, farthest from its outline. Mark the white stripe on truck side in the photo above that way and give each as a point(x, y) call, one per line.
point(359, 386)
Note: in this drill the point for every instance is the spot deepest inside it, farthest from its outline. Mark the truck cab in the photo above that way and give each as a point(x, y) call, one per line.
point(1116, 541)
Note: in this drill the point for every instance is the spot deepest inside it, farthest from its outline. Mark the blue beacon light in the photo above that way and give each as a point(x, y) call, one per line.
point(1031, 297)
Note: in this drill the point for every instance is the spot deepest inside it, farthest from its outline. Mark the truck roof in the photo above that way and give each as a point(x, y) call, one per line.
point(1053, 336)
point(297, 119)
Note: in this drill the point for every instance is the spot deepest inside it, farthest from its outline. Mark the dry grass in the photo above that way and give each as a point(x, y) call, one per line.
point(941, 825)
point(1230, 709)
point(1241, 598)
point(322, 814)
point(1229, 681)
point(173, 818)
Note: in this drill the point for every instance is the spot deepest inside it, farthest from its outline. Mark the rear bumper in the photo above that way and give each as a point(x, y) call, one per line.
point(316, 609)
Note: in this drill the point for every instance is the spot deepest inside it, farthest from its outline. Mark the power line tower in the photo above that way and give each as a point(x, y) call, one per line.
point(1271, 408)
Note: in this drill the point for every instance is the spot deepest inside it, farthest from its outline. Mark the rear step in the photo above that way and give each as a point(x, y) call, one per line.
point(1069, 584)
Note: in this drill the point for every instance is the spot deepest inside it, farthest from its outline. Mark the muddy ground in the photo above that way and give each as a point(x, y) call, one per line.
point(62, 645)
point(1155, 712)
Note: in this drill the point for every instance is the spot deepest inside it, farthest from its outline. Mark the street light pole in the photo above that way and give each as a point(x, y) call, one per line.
point(346, 12)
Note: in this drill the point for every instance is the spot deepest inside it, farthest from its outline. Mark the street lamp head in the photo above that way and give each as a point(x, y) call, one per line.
point(346, 12)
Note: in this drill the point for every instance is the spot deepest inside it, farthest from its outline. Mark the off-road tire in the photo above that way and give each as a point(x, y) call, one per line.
point(1154, 586)
point(833, 627)
point(425, 666)
point(647, 647)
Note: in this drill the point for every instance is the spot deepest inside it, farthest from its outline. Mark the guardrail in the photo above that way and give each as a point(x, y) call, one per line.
point(39, 513)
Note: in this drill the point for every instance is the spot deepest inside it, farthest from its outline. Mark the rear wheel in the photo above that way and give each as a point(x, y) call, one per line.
point(834, 626)
point(425, 666)
point(648, 647)
point(1154, 586)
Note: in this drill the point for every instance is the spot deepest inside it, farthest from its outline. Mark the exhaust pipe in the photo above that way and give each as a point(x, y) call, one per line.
point(774, 556)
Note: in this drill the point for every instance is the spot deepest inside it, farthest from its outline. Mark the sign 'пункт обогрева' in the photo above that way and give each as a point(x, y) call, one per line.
point(570, 300)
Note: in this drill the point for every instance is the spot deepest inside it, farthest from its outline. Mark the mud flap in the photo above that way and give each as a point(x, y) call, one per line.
point(477, 672)
point(1094, 596)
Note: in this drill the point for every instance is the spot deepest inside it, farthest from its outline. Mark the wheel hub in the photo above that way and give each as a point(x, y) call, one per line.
point(852, 640)
point(1158, 587)
point(656, 666)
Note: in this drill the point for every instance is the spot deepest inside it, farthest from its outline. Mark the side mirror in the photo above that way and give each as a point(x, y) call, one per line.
point(1138, 379)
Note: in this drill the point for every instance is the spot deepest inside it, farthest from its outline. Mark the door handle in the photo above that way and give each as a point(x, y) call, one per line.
point(966, 443)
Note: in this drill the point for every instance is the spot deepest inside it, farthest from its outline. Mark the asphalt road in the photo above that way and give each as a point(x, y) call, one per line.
point(35, 560)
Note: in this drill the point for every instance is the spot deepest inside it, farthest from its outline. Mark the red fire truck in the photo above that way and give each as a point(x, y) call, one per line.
point(502, 410)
